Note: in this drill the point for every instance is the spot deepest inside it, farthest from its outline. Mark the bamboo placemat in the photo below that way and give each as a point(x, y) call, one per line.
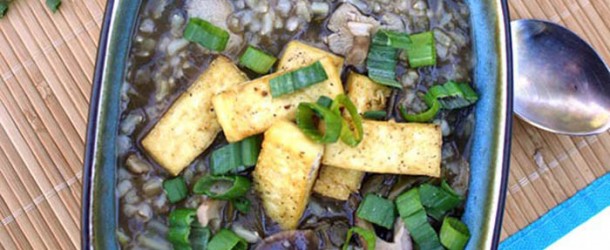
point(46, 67)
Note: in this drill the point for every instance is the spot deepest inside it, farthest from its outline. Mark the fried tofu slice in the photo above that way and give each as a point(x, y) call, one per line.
point(366, 94)
point(286, 170)
point(249, 109)
point(298, 54)
point(190, 125)
point(339, 183)
point(393, 148)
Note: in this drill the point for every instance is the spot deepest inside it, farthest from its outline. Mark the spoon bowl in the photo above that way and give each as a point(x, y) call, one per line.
point(561, 84)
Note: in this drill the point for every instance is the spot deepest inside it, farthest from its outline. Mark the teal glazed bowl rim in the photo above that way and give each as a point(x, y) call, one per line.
point(489, 160)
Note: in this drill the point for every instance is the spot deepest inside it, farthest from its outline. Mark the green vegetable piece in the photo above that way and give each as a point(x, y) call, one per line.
point(295, 80)
point(226, 159)
point(422, 50)
point(200, 236)
point(348, 136)
point(257, 60)
point(250, 149)
point(325, 101)
point(227, 240)
point(454, 234)
point(180, 221)
point(53, 5)
point(381, 61)
point(222, 187)
point(206, 34)
point(368, 236)
point(414, 216)
point(175, 189)
point(242, 204)
point(453, 95)
point(332, 123)
point(236, 157)
point(378, 115)
point(377, 210)
point(426, 116)
point(438, 201)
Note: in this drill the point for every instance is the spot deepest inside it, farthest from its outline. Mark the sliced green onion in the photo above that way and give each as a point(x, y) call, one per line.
point(422, 50)
point(377, 210)
point(242, 204)
point(298, 79)
point(454, 95)
point(257, 60)
point(325, 101)
point(454, 234)
point(222, 187)
point(375, 115)
point(351, 131)
point(200, 236)
point(226, 159)
point(3, 9)
point(332, 123)
point(53, 5)
point(250, 149)
point(426, 116)
point(437, 200)
point(393, 39)
point(227, 240)
point(175, 189)
point(206, 34)
point(381, 62)
point(180, 221)
point(413, 214)
point(368, 236)
point(236, 157)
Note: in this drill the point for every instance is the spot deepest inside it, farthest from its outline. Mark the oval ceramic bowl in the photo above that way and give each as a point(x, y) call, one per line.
point(490, 148)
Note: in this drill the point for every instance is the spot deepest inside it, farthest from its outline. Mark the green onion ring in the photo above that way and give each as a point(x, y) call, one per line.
point(333, 123)
point(349, 137)
point(206, 185)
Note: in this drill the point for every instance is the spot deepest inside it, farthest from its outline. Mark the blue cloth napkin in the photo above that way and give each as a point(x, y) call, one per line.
point(562, 219)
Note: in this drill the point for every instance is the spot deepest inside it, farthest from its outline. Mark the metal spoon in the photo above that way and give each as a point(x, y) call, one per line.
point(561, 84)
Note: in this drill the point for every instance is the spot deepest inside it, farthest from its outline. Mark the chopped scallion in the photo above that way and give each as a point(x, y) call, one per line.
point(206, 34)
point(333, 123)
point(226, 159)
point(242, 204)
point(393, 39)
point(437, 200)
point(236, 157)
point(325, 101)
point(422, 50)
point(222, 187)
point(377, 210)
point(375, 115)
point(414, 216)
point(454, 95)
point(351, 131)
point(180, 222)
point(381, 61)
point(426, 116)
point(175, 189)
point(257, 60)
point(368, 237)
point(227, 240)
point(53, 5)
point(250, 148)
point(301, 78)
point(200, 236)
point(454, 234)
